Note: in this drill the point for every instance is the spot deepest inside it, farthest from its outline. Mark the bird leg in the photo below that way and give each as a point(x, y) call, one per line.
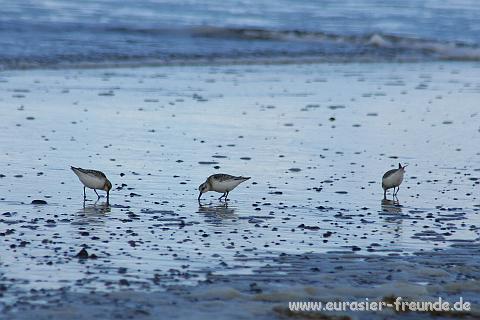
point(385, 194)
point(226, 195)
point(223, 195)
point(97, 194)
point(398, 188)
point(84, 194)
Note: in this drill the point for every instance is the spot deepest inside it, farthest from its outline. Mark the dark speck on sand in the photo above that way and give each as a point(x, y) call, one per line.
point(38, 201)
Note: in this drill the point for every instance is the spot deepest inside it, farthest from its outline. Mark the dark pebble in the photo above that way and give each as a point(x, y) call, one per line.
point(39, 202)
point(303, 226)
point(83, 254)
point(123, 282)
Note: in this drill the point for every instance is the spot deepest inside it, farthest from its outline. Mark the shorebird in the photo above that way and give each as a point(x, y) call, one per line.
point(93, 179)
point(392, 179)
point(223, 183)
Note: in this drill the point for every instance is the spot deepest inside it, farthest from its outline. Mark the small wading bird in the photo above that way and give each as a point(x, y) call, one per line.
point(392, 179)
point(93, 179)
point(223, 183)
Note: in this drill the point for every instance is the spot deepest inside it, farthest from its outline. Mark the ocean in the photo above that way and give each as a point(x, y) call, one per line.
point(103, 33)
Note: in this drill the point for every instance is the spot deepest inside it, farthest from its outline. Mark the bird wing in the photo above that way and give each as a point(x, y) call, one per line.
point(222, 177)
point(95, 173)
point(389, 173)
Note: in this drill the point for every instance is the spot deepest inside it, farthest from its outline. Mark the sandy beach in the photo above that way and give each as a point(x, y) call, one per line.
point(311, 224)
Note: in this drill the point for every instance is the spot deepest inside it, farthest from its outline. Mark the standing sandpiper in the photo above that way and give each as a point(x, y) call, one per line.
point(223, 183)
point(93, 179)
point(392, 179)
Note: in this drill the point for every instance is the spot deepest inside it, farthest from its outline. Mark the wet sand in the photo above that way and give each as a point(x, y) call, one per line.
point(316, 140)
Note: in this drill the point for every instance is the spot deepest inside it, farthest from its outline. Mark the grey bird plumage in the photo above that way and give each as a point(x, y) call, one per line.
point(221, 182)
point(93, 179)
point(392, 179)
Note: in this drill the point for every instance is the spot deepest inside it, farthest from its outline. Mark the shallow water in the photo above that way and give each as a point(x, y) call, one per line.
point(316, 140)
point(52, 33)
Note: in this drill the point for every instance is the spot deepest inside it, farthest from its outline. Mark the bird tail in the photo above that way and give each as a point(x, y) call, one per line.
point(76, 170)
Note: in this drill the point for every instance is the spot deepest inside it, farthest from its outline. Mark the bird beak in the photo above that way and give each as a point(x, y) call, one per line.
point(199, 196)
point(108, 196)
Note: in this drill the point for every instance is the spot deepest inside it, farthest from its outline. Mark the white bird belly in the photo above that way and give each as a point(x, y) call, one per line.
point(394, 180)
point(225, 186)
point(91, 181)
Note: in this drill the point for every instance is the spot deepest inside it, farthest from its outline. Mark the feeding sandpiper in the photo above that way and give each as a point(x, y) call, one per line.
point(223, 183)
point(93, 179)
point(392, 179)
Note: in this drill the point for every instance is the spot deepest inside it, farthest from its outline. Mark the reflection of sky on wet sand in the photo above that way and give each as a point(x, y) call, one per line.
point(315, 139)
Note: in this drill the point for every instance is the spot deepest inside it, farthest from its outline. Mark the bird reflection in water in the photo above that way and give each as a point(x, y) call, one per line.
point(391, 206)
point(217, 214)
point(96, 207)
point(94, 212)
point(392, 211)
